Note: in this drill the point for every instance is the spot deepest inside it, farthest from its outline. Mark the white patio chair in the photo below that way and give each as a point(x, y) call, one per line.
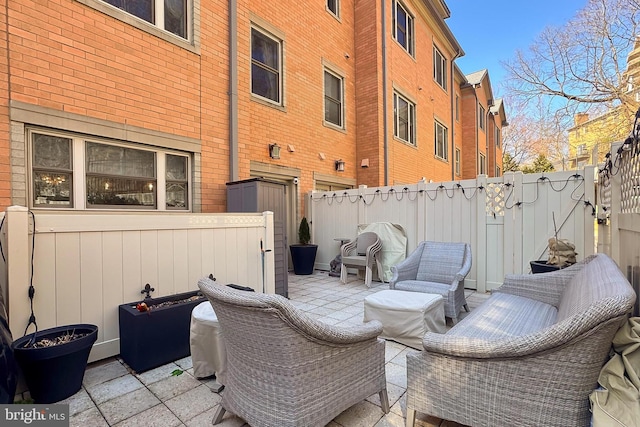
point(361, 253)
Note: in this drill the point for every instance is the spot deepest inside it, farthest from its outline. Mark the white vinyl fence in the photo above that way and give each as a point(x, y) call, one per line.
point(85, 264)
point(619, 211)
point(507, 220)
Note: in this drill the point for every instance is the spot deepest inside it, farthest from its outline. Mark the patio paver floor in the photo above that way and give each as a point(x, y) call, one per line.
point(113, 396)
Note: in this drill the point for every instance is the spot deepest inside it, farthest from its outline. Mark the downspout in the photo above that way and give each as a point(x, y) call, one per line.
point(385, 124)
point(453, 118)
point(486, 135)
point(233, 90)
point(477, 156)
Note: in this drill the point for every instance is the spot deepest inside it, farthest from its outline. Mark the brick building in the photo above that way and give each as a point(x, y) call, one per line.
point(157, 104)
point(483, 118)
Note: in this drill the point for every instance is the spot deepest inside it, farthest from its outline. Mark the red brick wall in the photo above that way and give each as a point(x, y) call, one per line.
point(414, 77)
point(469, 133)
point(5, 167)
point(311, 35)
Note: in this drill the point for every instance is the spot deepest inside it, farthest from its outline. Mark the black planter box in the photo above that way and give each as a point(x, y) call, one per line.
point(161, 335)
point(55, 373)
point(542, 267)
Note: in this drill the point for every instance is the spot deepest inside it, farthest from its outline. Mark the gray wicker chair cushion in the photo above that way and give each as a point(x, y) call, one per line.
point(285, 368)
point(441, 261)
point(424, 287)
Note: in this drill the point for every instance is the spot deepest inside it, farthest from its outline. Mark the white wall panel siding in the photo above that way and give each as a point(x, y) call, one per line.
point(67, 279)
point(112, 282)
point(507, 220)
point(86, 264)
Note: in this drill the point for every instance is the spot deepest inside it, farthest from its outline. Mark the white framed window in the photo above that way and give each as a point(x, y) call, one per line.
point(402, 27)
point(481, 117)
point(482, 167)
point(441, 140)
point(497, 171)
point(497, 137)
point(266, 66)
point(333, 6)
point(404, 119)
point(333, 99)
point(73, 171)
point(439, 68)
point(457, 160)
point(169, 15)
point(457, 108)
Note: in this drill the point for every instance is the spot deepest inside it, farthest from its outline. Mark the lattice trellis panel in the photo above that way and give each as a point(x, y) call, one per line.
point(495, 199)
point(630, 182)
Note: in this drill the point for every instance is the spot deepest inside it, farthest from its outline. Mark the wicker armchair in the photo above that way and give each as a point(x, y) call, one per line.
point(528, 356)
point(436, 268)
point(287, 369)
point(367, 247)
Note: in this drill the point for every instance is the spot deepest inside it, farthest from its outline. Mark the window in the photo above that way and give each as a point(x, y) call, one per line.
point(497, 137)
point(481, 116)
point(457, 108)
point(333, 99)
point(440, 140)
point(52, 170)
point(483, 164)
point(457, 161)
point(333, 6)
point(403, 27)
point(404, 119)
point(110, 175)
point(497, 171)
point(439, 68)
point(177, 181)
point(169, 15)
point(266, 64)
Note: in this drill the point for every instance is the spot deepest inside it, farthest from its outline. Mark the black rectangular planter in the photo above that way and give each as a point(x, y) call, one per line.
point(158, 336)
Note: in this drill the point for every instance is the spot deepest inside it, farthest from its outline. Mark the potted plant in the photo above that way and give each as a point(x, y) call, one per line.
point(303, 255)
point(53, 361)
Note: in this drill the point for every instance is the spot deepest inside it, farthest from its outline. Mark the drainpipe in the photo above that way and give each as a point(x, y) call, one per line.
point(453, 117)
point(233, 90)
point(477, 131)
point(384, 95)
point(486, 136)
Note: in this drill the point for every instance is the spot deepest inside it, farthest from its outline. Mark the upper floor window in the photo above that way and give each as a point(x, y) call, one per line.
point(441, 142)
point(70, 171)
point(457, 108)
point(497, 137)
point(266, 66)
point(481, 117)
point(482, 164)
point(169, 15)
point(458, 161)
point(497, 170)
point(333, 99)
point(403, 27)
point(333, 6)
point(404, 119)
point(439, 68)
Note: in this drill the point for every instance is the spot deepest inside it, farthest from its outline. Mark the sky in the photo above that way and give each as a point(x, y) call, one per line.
point(490, 32)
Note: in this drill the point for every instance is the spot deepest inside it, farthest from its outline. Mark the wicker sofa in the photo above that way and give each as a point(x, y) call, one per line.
point(528, 356)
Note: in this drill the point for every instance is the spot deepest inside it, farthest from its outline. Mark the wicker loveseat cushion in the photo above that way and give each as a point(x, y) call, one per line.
point(506, 316)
